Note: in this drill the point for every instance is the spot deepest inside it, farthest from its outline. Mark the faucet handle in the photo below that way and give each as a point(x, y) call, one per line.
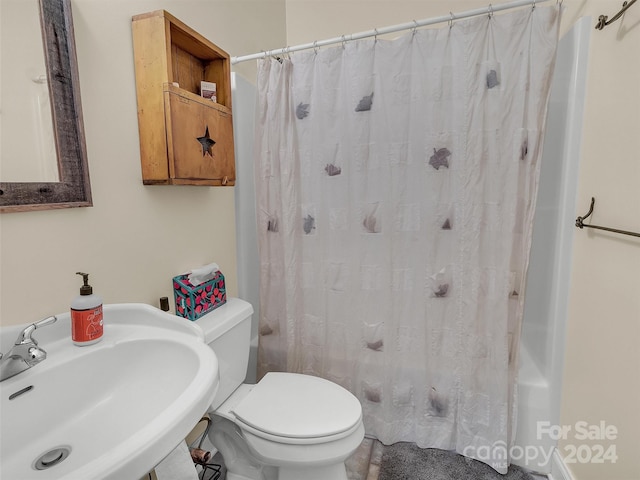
point(25, 335)
point(46, 321)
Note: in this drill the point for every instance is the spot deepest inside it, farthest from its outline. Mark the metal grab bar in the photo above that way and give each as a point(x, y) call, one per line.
point(580, 224)
point(602, 19)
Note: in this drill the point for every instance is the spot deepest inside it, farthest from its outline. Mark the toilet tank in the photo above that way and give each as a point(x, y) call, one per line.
point(227, 330)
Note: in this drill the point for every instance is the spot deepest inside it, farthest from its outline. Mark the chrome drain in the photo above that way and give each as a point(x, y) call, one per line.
point(51, 458)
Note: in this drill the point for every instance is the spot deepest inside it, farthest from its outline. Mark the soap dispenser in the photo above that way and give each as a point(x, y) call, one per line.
point(86, 315)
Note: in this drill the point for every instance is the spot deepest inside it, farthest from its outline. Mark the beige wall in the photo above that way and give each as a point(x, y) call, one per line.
point(135, 238)
point(601, 380)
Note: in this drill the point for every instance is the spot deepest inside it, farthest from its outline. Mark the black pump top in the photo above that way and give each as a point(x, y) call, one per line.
point(85, 289)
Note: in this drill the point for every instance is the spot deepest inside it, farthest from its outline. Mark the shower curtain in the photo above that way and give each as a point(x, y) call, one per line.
point(396, 184)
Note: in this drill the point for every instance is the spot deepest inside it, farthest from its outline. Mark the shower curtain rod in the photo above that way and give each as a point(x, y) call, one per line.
point(391, 29)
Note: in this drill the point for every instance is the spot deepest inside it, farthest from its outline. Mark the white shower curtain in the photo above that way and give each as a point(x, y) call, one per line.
point(396, 184)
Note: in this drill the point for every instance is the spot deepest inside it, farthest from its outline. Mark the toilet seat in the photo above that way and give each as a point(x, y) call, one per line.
point(298, 409)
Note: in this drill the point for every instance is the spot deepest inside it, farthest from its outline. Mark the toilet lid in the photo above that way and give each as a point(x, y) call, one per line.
point(298, 406)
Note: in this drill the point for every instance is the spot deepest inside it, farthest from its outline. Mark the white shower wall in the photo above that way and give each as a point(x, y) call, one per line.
point(548, 279)
point(547, 293)
point(244, 101)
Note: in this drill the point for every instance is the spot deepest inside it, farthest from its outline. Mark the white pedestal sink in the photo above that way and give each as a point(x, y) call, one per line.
point(112, 410)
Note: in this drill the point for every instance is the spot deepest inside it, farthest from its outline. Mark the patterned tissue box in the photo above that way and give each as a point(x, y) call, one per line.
point(194, 301)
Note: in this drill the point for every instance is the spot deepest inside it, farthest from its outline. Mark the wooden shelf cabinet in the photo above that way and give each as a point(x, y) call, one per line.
point(185, 139)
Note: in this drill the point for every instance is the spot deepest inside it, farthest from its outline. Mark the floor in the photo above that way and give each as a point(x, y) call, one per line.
point(364, 464)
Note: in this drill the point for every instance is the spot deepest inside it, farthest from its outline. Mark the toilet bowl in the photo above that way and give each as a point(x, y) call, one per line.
point(288, 426)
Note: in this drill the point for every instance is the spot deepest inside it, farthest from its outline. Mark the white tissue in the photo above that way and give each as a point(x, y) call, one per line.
point(202, 274)
point(178, 465)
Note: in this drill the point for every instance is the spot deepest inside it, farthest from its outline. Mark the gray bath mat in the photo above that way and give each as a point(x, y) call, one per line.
point(405, 461)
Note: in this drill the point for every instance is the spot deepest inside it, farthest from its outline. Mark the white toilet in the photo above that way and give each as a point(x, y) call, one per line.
point(286, 427)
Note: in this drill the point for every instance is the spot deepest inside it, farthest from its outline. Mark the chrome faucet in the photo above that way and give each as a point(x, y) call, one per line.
point(25, 352)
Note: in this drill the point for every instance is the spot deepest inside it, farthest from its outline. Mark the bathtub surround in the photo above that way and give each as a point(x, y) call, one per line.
point(394, 235)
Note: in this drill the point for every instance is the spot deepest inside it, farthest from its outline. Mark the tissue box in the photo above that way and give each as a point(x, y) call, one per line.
point(194, 301)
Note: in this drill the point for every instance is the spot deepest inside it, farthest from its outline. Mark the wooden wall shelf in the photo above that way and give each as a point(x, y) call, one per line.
point(185, 139)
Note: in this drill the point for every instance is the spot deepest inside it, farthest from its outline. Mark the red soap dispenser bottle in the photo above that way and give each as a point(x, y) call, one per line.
point(86, 315)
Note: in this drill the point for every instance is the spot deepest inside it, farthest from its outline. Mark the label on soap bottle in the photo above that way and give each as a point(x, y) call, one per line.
point(86, 325)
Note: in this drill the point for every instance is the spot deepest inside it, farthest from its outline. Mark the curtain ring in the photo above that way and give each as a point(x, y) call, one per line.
point(451, 19)
point(375, 36)
point(491, 10)
point(344, 42)
point(315, 47)
point(533, 7)
point(415, 27)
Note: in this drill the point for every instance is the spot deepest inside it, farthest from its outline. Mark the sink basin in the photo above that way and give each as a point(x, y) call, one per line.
point(112, 410)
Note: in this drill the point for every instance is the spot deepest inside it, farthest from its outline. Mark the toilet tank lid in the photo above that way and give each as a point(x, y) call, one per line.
point(224, 318)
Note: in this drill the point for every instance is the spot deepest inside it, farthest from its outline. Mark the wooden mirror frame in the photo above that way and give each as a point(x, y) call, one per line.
point(73, 189)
